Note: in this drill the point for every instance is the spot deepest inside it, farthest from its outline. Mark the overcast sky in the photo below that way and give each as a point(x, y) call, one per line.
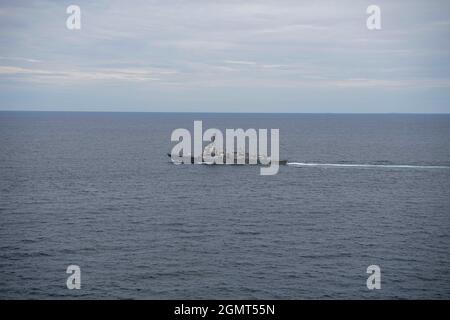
point(225, 56)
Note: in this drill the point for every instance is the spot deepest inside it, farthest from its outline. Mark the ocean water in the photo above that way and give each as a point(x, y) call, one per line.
point(98, 190)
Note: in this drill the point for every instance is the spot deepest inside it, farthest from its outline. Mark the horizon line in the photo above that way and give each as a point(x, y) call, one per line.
point(234, 112)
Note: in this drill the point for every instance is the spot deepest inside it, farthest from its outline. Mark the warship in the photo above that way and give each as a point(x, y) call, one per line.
point(237, 156)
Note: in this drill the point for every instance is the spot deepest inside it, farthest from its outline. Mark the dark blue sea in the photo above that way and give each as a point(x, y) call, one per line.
point(98, 190)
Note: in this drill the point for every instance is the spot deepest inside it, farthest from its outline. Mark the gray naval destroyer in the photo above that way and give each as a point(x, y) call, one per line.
point(237, 160)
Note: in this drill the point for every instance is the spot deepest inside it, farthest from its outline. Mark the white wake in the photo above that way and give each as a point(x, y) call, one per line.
point(348, 165)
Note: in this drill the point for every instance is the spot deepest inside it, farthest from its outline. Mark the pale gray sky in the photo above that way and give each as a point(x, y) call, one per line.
point(225, 56)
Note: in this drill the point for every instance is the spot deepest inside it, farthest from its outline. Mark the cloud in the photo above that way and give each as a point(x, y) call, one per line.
point(20, 59)
point(40, 75)
point(246, 63)
point(275, 44)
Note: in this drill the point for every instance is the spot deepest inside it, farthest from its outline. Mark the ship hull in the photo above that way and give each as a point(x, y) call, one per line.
point(192, 160)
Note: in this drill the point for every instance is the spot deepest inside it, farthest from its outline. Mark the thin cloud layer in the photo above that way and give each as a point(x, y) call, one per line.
point(253, 56)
